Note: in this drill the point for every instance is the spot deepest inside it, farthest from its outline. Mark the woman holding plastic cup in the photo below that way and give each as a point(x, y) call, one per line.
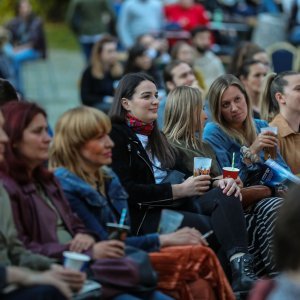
point(235, 131)
point(142, 159)
point(80, 153)
point(280, 103)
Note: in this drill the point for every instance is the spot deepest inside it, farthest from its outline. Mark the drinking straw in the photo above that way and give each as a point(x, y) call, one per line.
point(123, 216)
point(233, 156)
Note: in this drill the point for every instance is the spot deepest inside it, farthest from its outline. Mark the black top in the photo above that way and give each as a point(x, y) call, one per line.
point(132, 165)
point(93, 90)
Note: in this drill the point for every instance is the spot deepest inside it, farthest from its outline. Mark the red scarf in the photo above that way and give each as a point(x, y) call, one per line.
point(139, 126)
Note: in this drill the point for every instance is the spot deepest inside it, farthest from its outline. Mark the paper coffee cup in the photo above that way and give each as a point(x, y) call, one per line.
point(229, 172)
point(117, 231)
point(75, 261)
point(202, 166)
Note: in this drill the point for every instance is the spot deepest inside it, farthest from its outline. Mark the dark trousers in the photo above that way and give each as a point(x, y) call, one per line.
point(212, 211)
point(40, 292)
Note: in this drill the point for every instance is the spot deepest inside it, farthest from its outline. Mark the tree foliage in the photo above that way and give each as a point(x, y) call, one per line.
point(51, 10)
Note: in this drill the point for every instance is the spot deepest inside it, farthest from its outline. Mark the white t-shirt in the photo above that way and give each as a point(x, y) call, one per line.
point(159, 174)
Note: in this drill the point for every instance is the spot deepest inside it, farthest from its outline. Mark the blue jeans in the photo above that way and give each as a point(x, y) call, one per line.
point(18, 59)
point(40, 292)
point(154, 296)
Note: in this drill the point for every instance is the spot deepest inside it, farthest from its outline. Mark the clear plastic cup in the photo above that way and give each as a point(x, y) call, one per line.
point(117, 231)
point(270, 152)
point(202, 166)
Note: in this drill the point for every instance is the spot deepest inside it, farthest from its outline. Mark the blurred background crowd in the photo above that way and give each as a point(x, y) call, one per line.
point(46, 49)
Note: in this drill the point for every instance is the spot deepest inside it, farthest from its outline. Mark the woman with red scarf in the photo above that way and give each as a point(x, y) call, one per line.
point(143, 159)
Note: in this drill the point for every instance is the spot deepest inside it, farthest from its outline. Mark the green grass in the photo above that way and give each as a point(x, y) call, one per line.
point(59, 36)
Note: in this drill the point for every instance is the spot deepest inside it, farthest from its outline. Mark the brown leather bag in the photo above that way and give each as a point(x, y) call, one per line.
point(253, 194)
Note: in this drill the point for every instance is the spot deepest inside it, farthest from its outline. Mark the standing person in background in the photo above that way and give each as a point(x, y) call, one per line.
point(27, 39)
point(283, 90)
point(89, 20)
point(138, 17)
point(100, 78)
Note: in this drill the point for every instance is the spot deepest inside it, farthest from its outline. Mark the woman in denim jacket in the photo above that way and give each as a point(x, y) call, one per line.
point(235, 131)
point(80, 152)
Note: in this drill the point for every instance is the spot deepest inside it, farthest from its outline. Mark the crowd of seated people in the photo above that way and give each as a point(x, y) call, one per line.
point(131, 147)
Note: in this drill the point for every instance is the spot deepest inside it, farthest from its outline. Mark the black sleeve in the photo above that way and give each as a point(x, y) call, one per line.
point(88, 96)
point(138, 192)
point(2, 277)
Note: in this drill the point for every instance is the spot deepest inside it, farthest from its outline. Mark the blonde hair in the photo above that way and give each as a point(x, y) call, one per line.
point(183, 105)
point(214, 96)
point(73, 129)
point(97, 66)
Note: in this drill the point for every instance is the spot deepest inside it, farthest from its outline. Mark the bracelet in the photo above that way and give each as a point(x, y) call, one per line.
point(248, 157)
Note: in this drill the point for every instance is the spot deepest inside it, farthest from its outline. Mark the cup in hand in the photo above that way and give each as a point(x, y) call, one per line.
point(270, 152)
point(117, 231)
point(75, 261)
point(202, 166)
point(229, 172)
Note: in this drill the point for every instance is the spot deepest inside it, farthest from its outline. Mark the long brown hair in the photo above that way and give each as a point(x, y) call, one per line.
point(214, 96)
point(97, 65)
point(158, 143)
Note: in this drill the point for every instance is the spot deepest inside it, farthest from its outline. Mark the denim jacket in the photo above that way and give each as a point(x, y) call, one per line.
point(93, 208)
point(224, 146)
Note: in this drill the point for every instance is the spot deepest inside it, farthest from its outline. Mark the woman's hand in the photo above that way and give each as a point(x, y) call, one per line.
point(239, 182)
point(193, 186)
point(184, 236)
point(108, 249)
point(81, 242)
point(266, 139)
point(29, 278)
point(230, 187)
point(74, 279)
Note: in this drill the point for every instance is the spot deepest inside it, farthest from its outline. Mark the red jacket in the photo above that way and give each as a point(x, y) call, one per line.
point(187, 18)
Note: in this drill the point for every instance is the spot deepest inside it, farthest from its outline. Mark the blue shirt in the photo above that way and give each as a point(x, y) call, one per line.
point(224, 145)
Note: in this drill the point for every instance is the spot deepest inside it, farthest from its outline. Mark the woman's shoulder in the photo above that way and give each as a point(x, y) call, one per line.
point(120, 131)
point(211, 127)
point(9, 183)
point(69, 181)
point(213, 130)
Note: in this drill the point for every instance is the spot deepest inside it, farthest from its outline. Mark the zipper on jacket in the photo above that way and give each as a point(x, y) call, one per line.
point(142, 222)
point(139, 154)
point(129, 150)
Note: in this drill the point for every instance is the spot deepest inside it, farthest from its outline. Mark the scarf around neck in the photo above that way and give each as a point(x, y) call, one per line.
point(139, 126)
